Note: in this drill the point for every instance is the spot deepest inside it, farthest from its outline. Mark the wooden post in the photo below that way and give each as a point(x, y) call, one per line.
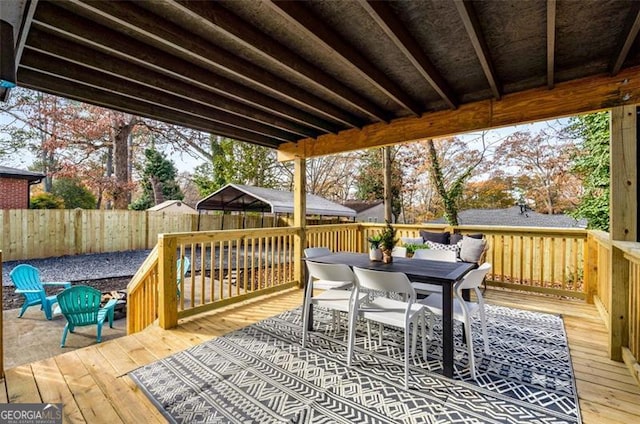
point(388, 196)
point(591, 268)
point(623, 220)
point(299, 217)
point(167, 273)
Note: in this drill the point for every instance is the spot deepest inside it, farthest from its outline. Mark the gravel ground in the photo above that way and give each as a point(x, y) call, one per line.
point(104, 271)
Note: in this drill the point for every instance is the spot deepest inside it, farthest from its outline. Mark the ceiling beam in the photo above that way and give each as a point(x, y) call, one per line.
point(215, 16)
point(551, 42)
point(96, 36)
point(161, 33)
point(99, 62)
point(471, 24)
point(296, 13)
point(627, 38)
point(397, 32)
point(567, 98)
point(80, 74)
point(72, 90)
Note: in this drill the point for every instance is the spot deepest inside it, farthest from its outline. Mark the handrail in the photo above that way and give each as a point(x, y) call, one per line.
point(142, 294)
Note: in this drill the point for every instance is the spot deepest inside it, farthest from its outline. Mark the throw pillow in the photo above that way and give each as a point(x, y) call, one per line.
point(455, 238)
point(476, 236)
point(442, 238)
point(471, 249)
point(440, 246)
point(411, 240)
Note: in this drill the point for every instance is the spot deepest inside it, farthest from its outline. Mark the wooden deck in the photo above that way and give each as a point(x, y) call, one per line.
point(94, 388)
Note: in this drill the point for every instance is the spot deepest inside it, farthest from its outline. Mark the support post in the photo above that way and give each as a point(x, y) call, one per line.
point(591, 268)
point(388, 195)
point(167, 299)
point(299, 217)
point(623, 220)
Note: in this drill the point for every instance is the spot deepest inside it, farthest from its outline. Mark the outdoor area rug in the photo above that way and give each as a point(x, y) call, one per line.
point(261, 374)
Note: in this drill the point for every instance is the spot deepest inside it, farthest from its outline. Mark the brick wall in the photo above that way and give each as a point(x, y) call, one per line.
point(13, 193)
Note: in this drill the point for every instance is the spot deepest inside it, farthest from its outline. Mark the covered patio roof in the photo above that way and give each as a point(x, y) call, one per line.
point(243, 198)
point(313, 78)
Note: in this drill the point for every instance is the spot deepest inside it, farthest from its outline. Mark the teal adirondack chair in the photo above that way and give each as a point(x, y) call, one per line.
point(28, 283)
point(185, 263)
point(80, 305)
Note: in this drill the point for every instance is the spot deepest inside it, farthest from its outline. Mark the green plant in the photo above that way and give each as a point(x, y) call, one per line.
point(388, 237)
point(374, 241)
point(46, 201)
point(411, 248)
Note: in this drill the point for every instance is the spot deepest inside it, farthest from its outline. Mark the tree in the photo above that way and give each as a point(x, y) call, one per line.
point(495, 192)
point(370, 179)
point(450, 185)
point(73, 193)
point(592, 164)
point(158, 181)
point(543, 163)
point(46, 200)
point(238, 162)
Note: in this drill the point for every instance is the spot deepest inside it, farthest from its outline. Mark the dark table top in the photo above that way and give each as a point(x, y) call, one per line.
point(416, 269)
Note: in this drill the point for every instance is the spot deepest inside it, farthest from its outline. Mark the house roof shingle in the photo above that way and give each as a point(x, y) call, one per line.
point(7, 172)
point(514, 217)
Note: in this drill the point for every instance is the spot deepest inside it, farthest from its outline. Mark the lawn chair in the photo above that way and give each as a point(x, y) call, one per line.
point(80, 305)
point(27, 281)
point(183, 265)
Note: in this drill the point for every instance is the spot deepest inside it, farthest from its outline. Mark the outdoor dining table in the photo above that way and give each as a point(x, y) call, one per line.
point(425, 271)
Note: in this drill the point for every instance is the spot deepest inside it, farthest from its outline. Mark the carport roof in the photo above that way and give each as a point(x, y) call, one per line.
point(243, 198)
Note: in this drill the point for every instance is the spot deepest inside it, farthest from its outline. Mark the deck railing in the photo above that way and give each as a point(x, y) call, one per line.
point(225, 267)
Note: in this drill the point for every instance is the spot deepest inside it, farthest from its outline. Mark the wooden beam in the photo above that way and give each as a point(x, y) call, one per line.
point(77, 73)
point(397, 32)
point(623, 220)
point(101, 38)
point(298, 15)
point(215, 16)
point(162, 33)
point(62, 87)
point(167, 272)
point(471, 24)
point(627, 38)
point(551, 42)
point(98, 62)
point(567, 98)
point(299, 217)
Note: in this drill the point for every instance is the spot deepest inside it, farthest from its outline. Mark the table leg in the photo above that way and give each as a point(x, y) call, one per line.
point(309, 286)
point(447, 329)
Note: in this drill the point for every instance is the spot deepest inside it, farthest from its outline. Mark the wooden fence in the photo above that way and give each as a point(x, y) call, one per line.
point(31, 234)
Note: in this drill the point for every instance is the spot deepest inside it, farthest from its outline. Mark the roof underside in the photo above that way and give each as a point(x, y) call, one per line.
point(272, 72)
point(242, 198)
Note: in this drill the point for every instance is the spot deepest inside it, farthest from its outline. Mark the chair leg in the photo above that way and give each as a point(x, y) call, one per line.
point(47, 307)
point(414, 335)
point(485, 336)
point(64, 335)
point(352, 318)
point(472, 362)
point(380, 331)
point(24, 308)
point(406, 358)
point(305, 319)
point(369, 334)
point(424, 332)
point(99, 332)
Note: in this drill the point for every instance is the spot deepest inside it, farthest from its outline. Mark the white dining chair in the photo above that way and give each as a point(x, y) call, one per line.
point(463, 310)
point(435, 255)
point(387, 311)
point(314, 252)
point(399, 252)
point(337, 299)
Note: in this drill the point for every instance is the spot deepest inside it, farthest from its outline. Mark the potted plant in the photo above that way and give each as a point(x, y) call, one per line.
point(375, 254)
point(387, 242)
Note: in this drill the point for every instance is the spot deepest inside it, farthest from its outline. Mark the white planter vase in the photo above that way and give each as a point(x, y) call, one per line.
point(375, 254)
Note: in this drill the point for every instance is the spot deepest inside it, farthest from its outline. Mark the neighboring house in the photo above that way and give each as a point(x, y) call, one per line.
point(367, 211)
point(515, 217)
point(174, 206)
point(15, 185)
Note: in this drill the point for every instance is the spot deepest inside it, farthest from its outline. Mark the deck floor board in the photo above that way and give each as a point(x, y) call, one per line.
point(93, 385)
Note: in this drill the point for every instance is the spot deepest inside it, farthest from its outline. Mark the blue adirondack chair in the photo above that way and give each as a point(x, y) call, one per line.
point(27, 281)
point(185, 263)
point(80, 305)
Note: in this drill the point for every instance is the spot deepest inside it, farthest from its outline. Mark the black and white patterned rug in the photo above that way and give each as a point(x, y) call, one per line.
point(260, 374)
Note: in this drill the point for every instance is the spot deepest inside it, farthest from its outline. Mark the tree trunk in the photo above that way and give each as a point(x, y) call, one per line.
point(121, 134)
point(450, 208)
point(388, 196)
